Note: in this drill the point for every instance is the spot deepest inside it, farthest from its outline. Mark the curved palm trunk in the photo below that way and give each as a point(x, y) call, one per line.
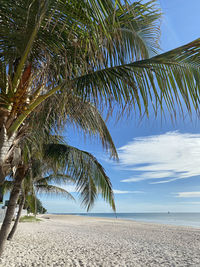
point(11, 207)
point(2, 175)
point(1, 189)
point(14, 228)
point(6, 148)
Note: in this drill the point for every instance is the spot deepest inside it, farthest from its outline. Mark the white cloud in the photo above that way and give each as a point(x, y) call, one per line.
point(148, 175)
point(163, 158)
point(188, 194)
point(72, 189)
point(126, 192)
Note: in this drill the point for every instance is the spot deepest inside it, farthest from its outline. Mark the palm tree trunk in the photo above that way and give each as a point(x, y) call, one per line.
point(6, 148)
point(11, 207)
point(2, 175)
point(14, 228)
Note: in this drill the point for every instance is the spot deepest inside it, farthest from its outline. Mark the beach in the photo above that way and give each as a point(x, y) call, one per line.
point(69, 240)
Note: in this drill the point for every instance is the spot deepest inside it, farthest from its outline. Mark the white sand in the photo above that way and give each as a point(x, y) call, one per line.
point(83, 241)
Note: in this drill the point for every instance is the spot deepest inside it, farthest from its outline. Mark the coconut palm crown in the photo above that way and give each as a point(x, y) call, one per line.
point(100, 51)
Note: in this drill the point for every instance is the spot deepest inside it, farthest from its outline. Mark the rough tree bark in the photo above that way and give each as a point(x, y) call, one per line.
point(2, 174)
point(14, 228)
point(2, 177)
point(7, 145)
point(19, 176)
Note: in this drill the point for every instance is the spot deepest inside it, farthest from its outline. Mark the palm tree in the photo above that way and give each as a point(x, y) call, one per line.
point(63, 163)
point(30, 186)
point(102, 51)
point(51, 116)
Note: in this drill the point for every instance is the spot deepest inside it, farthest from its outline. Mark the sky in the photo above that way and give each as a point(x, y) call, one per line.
point(159, 166)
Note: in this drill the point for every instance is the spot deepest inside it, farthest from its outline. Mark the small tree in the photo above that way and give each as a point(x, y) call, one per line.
point(39, 209)
point(63, 163)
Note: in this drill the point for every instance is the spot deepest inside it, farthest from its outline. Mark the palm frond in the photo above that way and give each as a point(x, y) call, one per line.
point(56, 178)
point(159, 81)
point(31, 202)
point(88, 173)
point(84, 116)
point(74, 38)
point(6, 187)
point(53, 190)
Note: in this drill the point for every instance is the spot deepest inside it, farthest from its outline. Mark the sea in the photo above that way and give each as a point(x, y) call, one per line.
point(172, 218)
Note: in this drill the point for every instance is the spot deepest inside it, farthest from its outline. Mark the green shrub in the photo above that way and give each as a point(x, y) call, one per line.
point(29, 219)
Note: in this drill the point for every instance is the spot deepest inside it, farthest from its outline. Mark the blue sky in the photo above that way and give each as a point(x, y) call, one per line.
point(159, 168)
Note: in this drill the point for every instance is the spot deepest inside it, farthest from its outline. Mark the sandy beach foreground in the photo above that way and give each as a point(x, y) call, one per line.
point(65, 240)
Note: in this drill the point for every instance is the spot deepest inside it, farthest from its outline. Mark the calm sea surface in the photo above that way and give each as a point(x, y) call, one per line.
point(187, 219)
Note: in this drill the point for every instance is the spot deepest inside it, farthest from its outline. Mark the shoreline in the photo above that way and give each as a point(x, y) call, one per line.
point(72, 240)
point(126, 219)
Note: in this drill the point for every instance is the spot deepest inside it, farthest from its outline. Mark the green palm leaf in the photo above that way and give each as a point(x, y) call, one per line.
point(6, 186)
point(56, 178)
point(53, 190)
point(159, 81)
point(56, 112)
point(90, 177)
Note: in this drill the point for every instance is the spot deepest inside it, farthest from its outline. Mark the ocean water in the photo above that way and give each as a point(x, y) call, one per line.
point(185, 219)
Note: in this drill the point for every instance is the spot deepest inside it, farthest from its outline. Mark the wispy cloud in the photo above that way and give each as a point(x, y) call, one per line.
point(163, 158)
point(188, 194)
point(72, 189)
point(126, 192)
